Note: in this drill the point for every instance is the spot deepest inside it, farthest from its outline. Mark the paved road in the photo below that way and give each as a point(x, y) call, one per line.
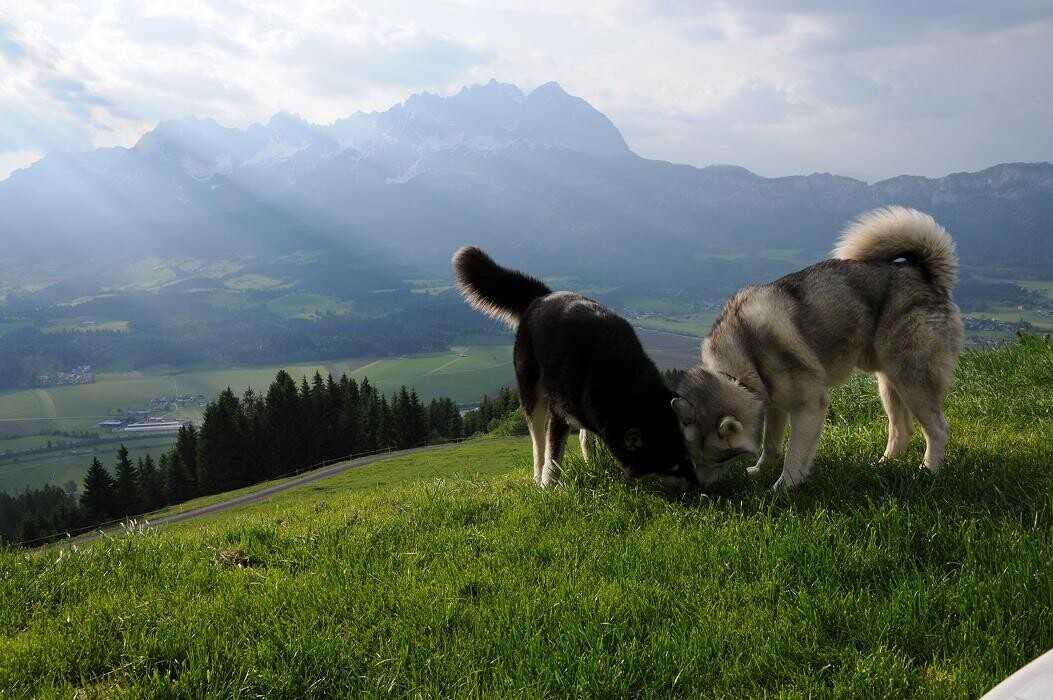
point(256, 496)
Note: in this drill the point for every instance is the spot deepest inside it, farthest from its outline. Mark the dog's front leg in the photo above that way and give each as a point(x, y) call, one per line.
point(775, 420)
point(806, 424)
point(537, 420)
point(555, 442)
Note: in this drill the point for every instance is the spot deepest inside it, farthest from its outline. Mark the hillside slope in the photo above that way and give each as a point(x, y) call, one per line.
point(463, 579)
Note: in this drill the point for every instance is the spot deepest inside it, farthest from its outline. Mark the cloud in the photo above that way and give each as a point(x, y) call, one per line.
point(11, 161)
point(111, 71)
point(410, 59)
point(760, 103)
point(72, 93)
point(10, 49)
point(839, 85)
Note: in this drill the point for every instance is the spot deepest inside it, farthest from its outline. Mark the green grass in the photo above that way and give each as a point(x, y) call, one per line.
point(451, 574)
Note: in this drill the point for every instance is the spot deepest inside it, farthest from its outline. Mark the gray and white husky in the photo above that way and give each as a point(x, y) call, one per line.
point(882, 304)
point(578, 364)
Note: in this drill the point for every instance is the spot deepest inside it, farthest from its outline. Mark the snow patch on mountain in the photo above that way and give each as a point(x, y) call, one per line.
point(276, 151)
point(200, 171)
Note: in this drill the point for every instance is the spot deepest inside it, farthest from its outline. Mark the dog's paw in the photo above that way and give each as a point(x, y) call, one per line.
point(787, 483)
point(754, 471)
point(550, 475)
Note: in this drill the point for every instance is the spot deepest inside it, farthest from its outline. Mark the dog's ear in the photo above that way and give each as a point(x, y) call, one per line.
point(729, 425)
point(683, 410)
point(633, 439)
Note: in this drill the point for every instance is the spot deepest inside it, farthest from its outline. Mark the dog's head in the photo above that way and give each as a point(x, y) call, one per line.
point(720, 422)
point(647, 440)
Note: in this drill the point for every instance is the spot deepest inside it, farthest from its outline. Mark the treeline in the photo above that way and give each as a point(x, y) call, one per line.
point(247, 439)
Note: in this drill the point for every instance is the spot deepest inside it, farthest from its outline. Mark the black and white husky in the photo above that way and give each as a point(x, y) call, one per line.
point(578, 364)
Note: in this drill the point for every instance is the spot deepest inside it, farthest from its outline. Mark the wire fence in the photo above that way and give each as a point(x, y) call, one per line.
point(101, 527)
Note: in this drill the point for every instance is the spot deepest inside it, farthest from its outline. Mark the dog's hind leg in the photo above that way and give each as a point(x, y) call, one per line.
point(900, 419)
point(927, 404)
point(555, 442)
point(583, 440)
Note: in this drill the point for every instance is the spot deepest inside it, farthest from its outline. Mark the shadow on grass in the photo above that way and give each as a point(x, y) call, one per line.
point(972, 484)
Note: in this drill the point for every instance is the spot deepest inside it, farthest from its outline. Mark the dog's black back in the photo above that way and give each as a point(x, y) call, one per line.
point(590, 363)
point(586, 359)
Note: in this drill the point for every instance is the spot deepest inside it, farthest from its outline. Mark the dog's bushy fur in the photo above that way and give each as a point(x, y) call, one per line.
point(577, 363)
point(883, 305)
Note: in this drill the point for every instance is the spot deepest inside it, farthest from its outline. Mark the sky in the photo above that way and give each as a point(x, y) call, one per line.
point(865, 89)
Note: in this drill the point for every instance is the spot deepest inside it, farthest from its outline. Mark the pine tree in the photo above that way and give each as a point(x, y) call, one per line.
point(283, 419)
point(418, 421)
point(368, 415)
point(255, 440)
point(401, 419)
point(444, 420)
point(334, 396)
point(312, 421)
point(97, 498)
point(151, 487)
point(127, 495)
point(350, 436)
point(177, 484)
point(385, 434)
point(186, 446)
point(221, 442)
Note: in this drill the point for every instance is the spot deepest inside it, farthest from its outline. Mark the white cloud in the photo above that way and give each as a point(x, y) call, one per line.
point(11, 161)
point(867, 88)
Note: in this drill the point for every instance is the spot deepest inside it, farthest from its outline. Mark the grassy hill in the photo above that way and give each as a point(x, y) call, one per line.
point(453, 575)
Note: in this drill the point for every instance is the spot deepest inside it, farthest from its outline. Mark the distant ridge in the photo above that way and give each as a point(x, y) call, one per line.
point(522, 173)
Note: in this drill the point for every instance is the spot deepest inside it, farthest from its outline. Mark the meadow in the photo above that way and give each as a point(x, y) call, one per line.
point(451, 574)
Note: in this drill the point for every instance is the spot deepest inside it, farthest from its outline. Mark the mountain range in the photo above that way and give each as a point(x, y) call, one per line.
point(542, 179)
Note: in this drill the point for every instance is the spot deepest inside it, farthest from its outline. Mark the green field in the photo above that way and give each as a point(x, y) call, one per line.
point(452, 575)
point(697, 325)
point(77, 324)
point(59, 466)
point(465, 373)
point(308, 306)
point(1012, 314)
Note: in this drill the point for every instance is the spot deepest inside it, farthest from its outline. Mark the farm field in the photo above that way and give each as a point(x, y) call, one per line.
point(1010, 314)
point(696, 325)
point(59, 466)
point(465, 373)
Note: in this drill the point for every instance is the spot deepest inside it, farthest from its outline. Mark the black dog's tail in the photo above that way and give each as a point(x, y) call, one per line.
point(496, 291)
